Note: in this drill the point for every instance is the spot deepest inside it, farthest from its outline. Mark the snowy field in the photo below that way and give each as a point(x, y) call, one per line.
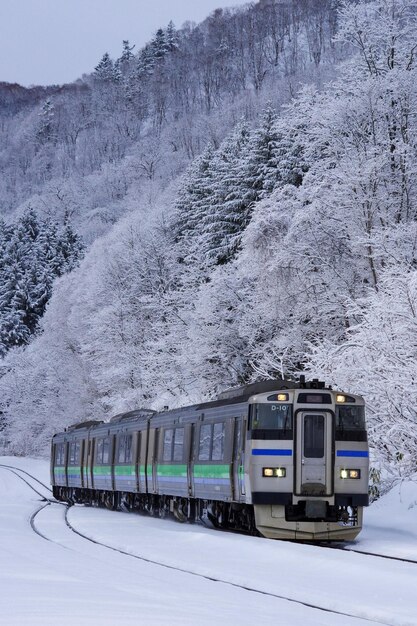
point(200, 575)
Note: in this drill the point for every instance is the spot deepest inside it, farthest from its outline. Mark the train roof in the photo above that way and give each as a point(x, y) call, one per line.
point(233, 396)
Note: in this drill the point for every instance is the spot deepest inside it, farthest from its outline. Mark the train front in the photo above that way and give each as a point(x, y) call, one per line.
point(308, 463)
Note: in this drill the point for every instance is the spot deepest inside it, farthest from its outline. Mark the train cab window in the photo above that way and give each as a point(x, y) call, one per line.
point(178, 444)
point(271, 416)
point(314, 398)
point(124, 454)
point(60, 454)
point(218, 442)
point(350, 417)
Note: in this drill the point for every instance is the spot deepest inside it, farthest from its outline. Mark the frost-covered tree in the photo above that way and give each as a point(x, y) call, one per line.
point(106, 71)
point(378, 359)
point(125, 61)
point(46, 131)
point(192, 200)
point(33, 253)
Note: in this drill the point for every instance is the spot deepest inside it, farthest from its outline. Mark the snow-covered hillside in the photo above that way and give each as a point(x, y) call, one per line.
point(288, 246)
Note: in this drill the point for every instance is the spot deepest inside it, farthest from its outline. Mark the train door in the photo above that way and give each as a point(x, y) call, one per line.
point(314, 451)
point(238, 461)
point(152, 461)
point(82, 462)
point(136, 446)
point(190, 459)
point(90, 463)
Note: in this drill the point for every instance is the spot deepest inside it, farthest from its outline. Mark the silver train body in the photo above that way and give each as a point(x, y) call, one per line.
point(283, 459)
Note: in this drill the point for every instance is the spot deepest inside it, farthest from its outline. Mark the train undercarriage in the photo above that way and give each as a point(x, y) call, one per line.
point(212, 513)
point(271, 521)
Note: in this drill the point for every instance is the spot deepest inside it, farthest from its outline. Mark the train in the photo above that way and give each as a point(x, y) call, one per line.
point(281, 459)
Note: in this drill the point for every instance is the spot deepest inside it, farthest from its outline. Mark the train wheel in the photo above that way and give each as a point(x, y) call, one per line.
point(180, 508)
point(110, 501)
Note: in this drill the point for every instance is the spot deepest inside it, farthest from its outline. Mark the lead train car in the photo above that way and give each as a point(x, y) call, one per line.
point(288, 460)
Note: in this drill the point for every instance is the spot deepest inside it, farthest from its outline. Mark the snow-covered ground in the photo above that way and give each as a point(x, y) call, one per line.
point(71, 581)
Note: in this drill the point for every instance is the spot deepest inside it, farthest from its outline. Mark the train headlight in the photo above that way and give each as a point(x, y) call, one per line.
point(353, 474)
point(282, 397)
point(274, 472)
point(340, 398)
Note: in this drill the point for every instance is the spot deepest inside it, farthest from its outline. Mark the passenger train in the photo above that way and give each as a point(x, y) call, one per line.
point(284, 459)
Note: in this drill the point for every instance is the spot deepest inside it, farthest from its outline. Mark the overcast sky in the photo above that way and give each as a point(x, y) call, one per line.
point(43, 42)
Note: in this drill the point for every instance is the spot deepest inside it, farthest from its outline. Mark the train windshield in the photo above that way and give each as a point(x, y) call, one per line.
point(271, 416)
point(350, 417)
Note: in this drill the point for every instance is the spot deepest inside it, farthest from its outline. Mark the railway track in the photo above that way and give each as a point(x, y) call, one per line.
point(49, 501)
point(374, 554)
point(216, 579)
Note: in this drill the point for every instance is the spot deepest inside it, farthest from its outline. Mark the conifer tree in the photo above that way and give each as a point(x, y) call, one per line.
point(106, 71)
point(171, 37)
point(227, 212)
point(191, 203)
point(46, 129)
point(262, 164)
point(124, 62)
point(32, 253)
point(159, 45)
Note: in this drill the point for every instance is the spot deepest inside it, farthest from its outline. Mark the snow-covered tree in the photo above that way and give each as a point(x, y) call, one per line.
point(106, 70)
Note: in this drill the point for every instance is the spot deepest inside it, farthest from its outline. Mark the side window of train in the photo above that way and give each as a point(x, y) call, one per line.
point(106, 451)
point(168, 438)
point(218, 442)
point(178, 444)
point(128, 449)
point(173, 444)
point(124, 454)
point(74, 453)
point(205, 442)
point(103, 451)
point(99, 451)
point(211, 445)
point(60, 454)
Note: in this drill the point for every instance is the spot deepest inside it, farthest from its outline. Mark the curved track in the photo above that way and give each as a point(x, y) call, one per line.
point(220, 580)
point(47, 502)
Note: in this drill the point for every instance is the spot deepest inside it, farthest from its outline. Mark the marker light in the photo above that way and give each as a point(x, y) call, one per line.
point(353, 474)
point(279, 397)
point(340, 398)
point(271, 472)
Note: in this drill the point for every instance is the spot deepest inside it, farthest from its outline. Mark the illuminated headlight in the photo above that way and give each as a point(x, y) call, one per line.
point(350, 473)
point(277, 472)
point(282, 397)
point(340, 398)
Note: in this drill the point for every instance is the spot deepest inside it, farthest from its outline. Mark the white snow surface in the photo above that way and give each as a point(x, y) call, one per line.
point(69, 580)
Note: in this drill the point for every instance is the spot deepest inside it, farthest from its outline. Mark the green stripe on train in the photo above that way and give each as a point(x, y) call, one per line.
point(102, 470)
point(124, 470)
point(75, 471)
point(119, 470)
point(172, 470)
point(211, 471)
